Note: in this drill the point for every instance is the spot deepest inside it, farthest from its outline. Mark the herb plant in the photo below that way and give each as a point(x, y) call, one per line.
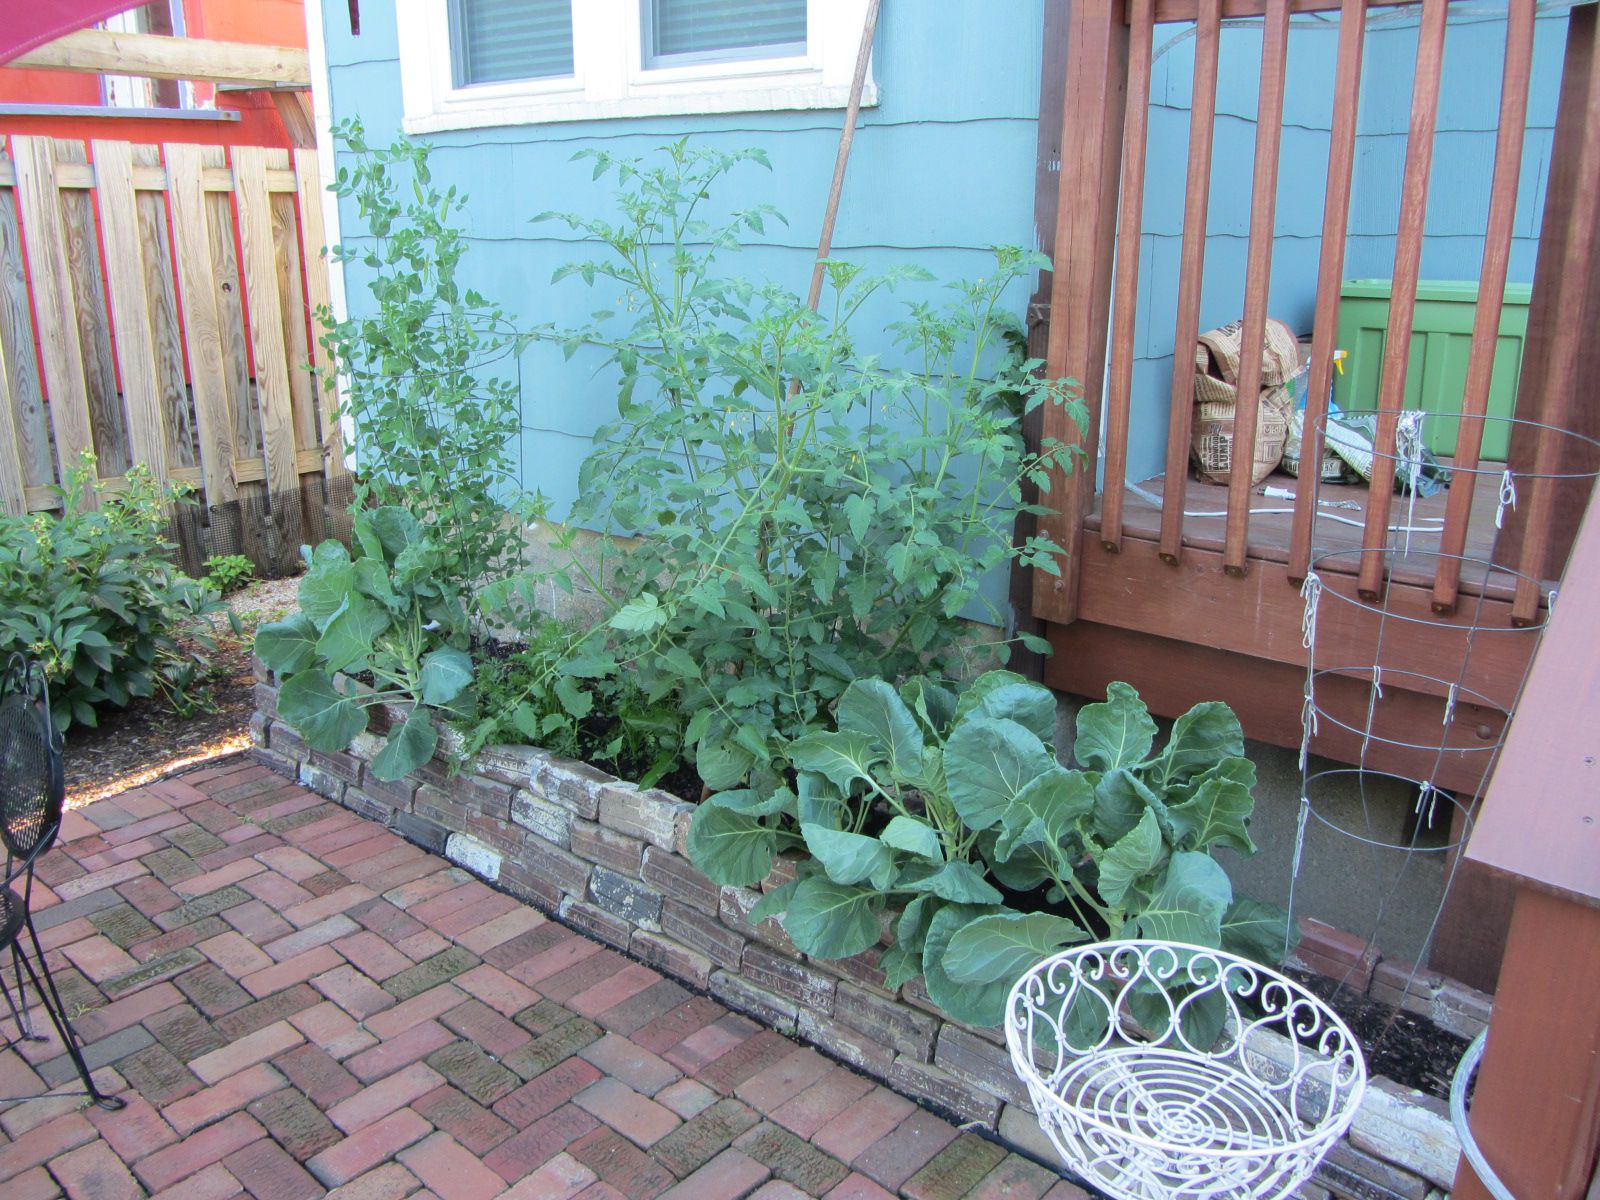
point(957, 809)
point(390, 612)
point(94, 597)
point(806, 513)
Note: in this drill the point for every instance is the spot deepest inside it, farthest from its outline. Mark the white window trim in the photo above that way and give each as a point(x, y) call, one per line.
point(609, 82)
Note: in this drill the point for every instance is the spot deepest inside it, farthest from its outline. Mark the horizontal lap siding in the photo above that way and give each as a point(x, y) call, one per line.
point(942, 169)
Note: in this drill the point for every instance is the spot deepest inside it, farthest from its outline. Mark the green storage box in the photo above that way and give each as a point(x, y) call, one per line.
point(1441, 340)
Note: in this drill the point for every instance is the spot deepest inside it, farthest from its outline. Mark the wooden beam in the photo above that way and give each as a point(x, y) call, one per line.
point(1080, 298)
point(155, 57)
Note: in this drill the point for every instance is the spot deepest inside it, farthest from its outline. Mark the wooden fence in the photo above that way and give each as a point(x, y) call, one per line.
point(155, 308)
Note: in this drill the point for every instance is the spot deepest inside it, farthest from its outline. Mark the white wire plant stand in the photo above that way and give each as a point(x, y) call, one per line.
point(1167, 1071)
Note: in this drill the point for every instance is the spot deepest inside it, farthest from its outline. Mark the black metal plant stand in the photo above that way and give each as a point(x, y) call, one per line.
point(32, 788)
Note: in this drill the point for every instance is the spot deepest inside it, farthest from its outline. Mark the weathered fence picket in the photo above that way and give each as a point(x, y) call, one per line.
point(155, 307)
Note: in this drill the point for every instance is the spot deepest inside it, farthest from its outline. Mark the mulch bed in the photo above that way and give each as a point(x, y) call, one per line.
point(136, 745)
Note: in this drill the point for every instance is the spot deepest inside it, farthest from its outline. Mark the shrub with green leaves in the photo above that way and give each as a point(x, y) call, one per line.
point(227, 573)
point(389, 612)
point(93, 596)
point(805, 513)
point(434, 418)
point(956, 809)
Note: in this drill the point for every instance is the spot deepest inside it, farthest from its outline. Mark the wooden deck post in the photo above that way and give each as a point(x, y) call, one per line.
point(1536, 1110)
point(1080, 294)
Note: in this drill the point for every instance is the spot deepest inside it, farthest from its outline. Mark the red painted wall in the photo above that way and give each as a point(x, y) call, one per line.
point(262, 22)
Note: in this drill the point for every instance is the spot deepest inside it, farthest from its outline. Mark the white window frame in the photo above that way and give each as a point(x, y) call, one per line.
point(608, 80)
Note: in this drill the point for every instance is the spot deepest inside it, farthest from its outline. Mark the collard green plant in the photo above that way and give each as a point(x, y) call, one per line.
point(389, 612)
point(955, 808)
point(94, 597)
point(433, 414)
point(806, 512)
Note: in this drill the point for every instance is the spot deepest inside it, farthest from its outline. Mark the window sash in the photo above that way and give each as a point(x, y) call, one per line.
point(501, 41)
point(676, 33)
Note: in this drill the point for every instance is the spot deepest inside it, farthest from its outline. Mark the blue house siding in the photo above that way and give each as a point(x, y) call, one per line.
point(942, 169)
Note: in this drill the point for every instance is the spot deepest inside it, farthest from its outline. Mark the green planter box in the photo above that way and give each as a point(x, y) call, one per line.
point(1441, 341)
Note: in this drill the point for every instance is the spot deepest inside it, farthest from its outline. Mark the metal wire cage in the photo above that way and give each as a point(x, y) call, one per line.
point(1166, 1071)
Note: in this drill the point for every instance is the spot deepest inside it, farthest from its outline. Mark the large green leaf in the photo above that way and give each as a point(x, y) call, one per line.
point(934, 705)
point(347, 638)
point(1120, 802)
point(850, 857)
point(871, 707)
point(386, 532)
point(1001, 947)
point(1007, 695)
point(1117, 733)
point(976, 1004)
point(1045, 812)
point(911, 926)
point(731, 847)
point(639, 615)
point(914, 836)
point(841, 757)
point(327, 718)
point(722, 764)
point(958, 881)
point(1218, 811)
point(1200, 738)
point(753, 803)
point(1258, 930)
point(819, 802)
point(987, 762)
point(1026, 868)
point(445, 674)
point(289, 645)
point(832, 920)
point(1136, 854)
point(409, 745)
point(325, 585)
point(1188, 906)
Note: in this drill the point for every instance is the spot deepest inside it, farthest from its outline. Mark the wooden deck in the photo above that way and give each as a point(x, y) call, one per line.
point(1337, 528)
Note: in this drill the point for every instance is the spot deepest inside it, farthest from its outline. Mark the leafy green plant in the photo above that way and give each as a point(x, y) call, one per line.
point(389, 612)
point(227, 573)
point(434, 423)
point(94, 597)
point(956, 808)
point(805, 513)
point(543, 693)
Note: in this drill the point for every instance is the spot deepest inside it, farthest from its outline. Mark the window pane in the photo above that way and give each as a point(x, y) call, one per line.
point(494, 40)
point(723, 29)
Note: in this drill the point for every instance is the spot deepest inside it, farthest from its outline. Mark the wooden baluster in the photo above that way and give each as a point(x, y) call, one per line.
point(1491, 296)
point(1125, 305)
point(1192, 264)
point(1403, 296)
point(1561, 359)
point(1330, 277)
point(1080, 293)
point(1258, 282)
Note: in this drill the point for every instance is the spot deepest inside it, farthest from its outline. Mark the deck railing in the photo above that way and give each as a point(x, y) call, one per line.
point(1102, 194)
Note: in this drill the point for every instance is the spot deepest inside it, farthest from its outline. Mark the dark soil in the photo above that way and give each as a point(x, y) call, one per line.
point(1411, 1050)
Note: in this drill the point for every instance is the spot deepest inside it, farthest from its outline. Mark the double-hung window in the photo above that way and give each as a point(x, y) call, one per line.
point(471, 63)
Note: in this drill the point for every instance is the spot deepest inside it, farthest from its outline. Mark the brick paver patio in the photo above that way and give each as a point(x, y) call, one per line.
point(297, 1002)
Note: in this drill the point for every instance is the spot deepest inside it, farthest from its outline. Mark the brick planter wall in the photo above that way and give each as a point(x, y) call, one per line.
point(608, 858)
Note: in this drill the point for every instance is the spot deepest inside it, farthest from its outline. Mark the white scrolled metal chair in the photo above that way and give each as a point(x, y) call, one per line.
point(1108, 1039)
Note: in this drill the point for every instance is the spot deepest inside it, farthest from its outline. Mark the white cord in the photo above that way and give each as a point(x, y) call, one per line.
point(1508, 496)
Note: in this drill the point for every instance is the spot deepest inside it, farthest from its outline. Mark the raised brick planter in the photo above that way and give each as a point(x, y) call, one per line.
point(608, 858)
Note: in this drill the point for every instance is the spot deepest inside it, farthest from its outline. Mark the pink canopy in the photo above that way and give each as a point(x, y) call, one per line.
point(30, 23)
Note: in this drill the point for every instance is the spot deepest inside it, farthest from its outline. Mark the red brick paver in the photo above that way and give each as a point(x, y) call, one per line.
point(297, 1003)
